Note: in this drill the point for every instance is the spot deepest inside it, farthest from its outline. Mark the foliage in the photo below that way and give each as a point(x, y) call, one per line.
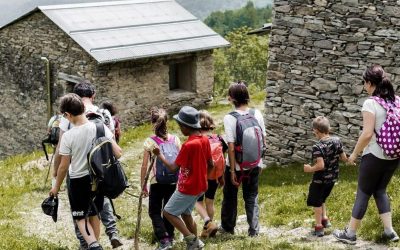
point(246, 59)
point(249, 16)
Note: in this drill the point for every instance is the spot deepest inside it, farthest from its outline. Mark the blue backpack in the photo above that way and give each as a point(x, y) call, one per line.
point(170, 152)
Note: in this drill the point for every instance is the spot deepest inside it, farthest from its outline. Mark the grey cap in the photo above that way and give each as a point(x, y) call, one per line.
point(188, 116)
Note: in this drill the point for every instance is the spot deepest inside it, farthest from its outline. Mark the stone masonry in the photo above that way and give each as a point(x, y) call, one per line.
point(134, 86)
point(318, 52)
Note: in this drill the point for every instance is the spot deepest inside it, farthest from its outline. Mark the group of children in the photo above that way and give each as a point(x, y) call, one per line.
point(173, 196)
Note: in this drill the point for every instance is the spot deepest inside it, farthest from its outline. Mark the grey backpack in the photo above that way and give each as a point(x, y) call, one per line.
point(249, 140)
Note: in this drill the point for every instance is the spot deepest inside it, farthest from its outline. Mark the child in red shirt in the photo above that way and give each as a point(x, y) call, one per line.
point(194, 161)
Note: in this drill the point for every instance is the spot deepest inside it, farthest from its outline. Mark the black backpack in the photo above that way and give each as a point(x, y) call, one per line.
point(53, 133)
point(106, 172)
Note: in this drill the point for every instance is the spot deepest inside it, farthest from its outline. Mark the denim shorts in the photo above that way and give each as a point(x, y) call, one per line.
point(180, 203)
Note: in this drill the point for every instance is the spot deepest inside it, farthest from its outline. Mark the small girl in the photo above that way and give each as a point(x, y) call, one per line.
point(159, 192)
point(215, 177)
point(117, 122)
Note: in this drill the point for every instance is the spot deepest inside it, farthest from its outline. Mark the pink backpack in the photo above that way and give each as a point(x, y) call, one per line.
point(388, 136)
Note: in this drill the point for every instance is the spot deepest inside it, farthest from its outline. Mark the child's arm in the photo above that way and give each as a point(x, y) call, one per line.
point(116, 149)
point(210, 165)
point(171, 166)
point(318, 166)
point(343, 157)
point(61, 173)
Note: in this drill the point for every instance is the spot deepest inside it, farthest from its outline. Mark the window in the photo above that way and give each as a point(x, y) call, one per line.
point(181, 76)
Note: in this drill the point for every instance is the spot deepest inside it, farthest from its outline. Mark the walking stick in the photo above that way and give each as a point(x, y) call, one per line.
point(48, 171)
point(139, 214)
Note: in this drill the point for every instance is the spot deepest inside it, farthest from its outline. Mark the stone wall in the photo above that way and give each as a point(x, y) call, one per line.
point(134, 86)
point(318, 52)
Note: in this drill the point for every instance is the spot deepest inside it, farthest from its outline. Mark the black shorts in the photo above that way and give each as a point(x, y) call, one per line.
point(80, 196)
point(211, 190)
point(318, 193)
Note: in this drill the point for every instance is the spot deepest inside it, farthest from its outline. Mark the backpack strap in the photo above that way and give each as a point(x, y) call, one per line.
point(156, 139)
point(252, 112)
point(381, 102)
point(100, 130)
point(234, 114)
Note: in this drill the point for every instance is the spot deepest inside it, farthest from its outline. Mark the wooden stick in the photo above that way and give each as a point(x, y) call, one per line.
point(139, 214)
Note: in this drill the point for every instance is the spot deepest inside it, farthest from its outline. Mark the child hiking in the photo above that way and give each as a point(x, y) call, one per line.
point(245, 135)
point(325, 153)
point(162, 181)
point(108, 105)
point(74, 147)
point(194, 161)
point(215, 177)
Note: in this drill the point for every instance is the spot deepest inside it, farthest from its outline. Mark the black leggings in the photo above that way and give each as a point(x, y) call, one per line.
point(373, 178)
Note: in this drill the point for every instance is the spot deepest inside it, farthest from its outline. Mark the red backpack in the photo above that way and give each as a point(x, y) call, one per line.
point(217, 156)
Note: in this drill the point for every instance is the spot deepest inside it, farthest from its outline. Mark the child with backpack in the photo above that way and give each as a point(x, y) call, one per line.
point(163, 182)
point(108, 105)
point(74, 147)
point(215, 177)
point(193, 161)
point(326, 154)
point(245, 135)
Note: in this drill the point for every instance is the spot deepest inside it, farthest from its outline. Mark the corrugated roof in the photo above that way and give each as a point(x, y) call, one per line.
point(124, 30)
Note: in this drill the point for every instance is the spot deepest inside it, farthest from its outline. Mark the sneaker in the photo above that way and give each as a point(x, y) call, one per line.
point(393, 237)
point(193, 243)
point(115, 241)
point(318, 231)
point(341, 235)
point(326, 223)
point(164, 244)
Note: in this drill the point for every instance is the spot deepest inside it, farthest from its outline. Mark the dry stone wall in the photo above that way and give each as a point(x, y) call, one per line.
point(134, 86)
point(318, 52)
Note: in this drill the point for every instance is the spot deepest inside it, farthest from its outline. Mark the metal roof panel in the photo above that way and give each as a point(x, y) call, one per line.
point(114, 31)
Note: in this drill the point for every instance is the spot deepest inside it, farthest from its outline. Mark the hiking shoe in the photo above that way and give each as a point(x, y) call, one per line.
point(222, 230)
point(193, 243)
point(341, 235)
point(95, 246)
point(393, 237)
point(209, 230)
point(115, 241)
point(326, 223)
point(318, 231)
point(164, 244)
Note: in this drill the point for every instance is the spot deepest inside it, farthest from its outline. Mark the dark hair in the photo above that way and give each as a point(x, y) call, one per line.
point(206, 121)
point(159, 118)
point(72, 104)
point(321, 123)
point(84, 89)
point(238, 93)
point(377, 77)
point(110, 107)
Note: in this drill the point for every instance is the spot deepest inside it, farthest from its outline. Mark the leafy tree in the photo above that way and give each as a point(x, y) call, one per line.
point(246, 59)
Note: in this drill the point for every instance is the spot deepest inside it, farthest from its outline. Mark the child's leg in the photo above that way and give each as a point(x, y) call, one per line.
point(202, 211)
point(82, 228)
point(210, 208)
point(324, 213)
point(155, 208)
point(190, 223)
point(177, 223)
point(318, 216)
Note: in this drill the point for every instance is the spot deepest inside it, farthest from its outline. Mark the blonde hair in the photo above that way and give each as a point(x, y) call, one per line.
point(321, 123)
point(206, 121)
point(159, 118)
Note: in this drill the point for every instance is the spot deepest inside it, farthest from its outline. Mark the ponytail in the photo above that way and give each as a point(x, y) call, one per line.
point(377, 77)
point(159, 119)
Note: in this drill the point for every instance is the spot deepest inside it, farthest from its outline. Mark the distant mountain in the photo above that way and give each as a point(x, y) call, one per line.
point(11, 10)
point(203, 8)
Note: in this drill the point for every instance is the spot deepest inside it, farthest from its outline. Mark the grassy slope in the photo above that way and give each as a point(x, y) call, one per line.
point(282, 200)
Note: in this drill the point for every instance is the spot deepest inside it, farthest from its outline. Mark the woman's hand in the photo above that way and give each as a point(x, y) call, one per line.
point(145, 192)
point(351, 159)
point(53, 192)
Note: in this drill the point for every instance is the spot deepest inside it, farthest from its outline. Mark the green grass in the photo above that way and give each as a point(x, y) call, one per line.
point(282, 199)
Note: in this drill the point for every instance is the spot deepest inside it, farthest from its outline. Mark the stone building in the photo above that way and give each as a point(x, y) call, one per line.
point(138, 53)
point(318, 52)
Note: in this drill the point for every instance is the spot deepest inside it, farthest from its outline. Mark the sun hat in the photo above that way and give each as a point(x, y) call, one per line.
point(50, 207)
point(188, 116)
